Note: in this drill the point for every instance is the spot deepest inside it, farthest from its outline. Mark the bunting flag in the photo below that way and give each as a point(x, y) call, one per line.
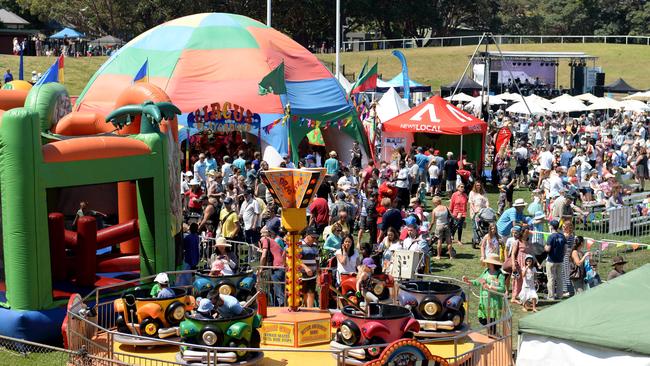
point(273, 82)
point(143, 74)
point(54, 74)
point(635, 246)
point(590, 243)
point(366, 81)
point(604, 245)
point(315, 137)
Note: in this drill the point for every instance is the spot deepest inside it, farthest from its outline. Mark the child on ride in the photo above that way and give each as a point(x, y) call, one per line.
point(364, 280)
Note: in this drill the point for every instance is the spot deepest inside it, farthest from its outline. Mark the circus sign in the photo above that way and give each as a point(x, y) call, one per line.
point(224, 117)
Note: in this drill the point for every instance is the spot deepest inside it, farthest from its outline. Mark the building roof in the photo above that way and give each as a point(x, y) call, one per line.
point(8, 17)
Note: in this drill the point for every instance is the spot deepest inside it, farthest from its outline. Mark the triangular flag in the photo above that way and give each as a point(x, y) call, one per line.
point(620, 245)
point(366, 81)
point(590, 242)
point(143, 73)
point(635, 246)
point(53, 74)
point(604, 245)
point(273, 82)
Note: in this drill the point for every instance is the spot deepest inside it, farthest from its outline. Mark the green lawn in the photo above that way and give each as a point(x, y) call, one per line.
point(77, 71)
point(467, 261)
point(30, 359)
point(437, 66)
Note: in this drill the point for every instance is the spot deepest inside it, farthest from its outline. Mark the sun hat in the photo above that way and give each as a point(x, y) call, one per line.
point(618, 260)
point(410, 221)
point(368, 262)
point(519, 202)
point(493, 258)
point(529, 256)
point(227, 201)
point(205, 305)
point(211, 172)
point(189, 174)
point(195, 182)
point(312, 232)
point(162, 278)
point(221, 242)
point(539, 217)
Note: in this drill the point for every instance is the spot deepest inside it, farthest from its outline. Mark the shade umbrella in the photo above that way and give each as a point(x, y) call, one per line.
point(639, 96)
point(604, 103)
point(587, 97)
point(545, 103)
point(460, 97)
point(106, 41)
point(564, 97)
point(568, 105)
point(67, 33)
point(528, 108)
point(488, 99)
point(509, 96)
point(635, 106)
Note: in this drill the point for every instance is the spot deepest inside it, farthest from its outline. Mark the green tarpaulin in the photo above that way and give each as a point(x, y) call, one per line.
point(614, 315)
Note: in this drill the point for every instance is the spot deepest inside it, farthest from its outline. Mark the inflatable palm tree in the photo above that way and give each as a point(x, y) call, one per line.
point(151, 114)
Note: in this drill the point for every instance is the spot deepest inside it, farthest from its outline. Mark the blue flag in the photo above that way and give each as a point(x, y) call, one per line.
point(21, 71)
point(143, 73)
point(51, 75)
point(405, 73)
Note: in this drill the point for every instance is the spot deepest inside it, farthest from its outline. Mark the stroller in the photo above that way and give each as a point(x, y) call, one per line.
point(483, 219)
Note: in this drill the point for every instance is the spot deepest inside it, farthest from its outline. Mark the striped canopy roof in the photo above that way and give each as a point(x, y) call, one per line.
point(216, 57)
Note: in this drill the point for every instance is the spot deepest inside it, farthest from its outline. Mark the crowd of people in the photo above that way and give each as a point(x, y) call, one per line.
point(421, 201)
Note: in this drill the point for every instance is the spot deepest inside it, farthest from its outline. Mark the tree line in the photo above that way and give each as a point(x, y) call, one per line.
point(312, 22)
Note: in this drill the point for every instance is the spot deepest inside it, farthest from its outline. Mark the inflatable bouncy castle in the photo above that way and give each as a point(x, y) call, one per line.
point(45, 150)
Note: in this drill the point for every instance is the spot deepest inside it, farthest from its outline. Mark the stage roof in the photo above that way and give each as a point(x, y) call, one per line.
point(537, 55)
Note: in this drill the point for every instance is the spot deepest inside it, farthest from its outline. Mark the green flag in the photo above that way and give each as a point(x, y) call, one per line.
point(315, 137)
point(273, 82)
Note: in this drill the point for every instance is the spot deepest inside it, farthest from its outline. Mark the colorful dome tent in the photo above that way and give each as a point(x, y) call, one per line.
point(216, 60)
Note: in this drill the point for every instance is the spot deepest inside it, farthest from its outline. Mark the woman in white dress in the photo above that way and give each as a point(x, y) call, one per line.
point(528, 293)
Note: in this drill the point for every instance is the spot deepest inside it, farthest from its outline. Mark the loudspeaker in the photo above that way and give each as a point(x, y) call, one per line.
point(599, 91)
point(579, 79)
point(494, 79)
point(600, 78)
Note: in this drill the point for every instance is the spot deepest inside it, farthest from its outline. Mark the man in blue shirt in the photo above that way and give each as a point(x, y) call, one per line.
point(555, 247)
point(8, 77)
point(566, 157)
point(240, 162)
point(514, 214)
point(423, 162)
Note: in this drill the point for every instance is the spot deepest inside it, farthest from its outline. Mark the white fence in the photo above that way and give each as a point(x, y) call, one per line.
point(384, 44)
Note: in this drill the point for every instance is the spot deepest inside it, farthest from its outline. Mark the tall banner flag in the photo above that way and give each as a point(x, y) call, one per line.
point(405, 74)
point(54, 74)
point(503, 137)
point(21, 67)
point(143, 74)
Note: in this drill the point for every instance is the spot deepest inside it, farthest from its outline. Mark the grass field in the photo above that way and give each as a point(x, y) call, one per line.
point(443, 65)
point(431, 66)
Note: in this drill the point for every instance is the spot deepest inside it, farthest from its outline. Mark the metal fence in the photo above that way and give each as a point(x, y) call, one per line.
point(93, 334)
point(624, 222)
point(470, 40)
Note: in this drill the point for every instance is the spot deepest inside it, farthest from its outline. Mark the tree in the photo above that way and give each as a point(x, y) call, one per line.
point(151, 114)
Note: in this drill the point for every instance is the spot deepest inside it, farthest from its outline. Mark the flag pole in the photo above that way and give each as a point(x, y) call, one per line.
point(338, 37)
point(268, 13)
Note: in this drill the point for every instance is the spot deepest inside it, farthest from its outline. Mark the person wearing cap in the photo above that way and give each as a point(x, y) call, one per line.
point(229, 221)
point(193, 196)
point(364, 280)
point(205, 308)
point(332, 166)
point(200, 168)
point(161, 288)
point(618, 263)
point(492, 284)
point(555, 247)
point(310, 161)
point(309, 268)
point(511, 216)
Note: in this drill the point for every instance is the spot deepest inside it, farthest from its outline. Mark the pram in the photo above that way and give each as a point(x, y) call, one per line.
point(482, 219)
